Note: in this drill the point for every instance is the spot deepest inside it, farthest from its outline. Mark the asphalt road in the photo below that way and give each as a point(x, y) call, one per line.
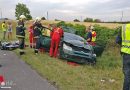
point(19, 76)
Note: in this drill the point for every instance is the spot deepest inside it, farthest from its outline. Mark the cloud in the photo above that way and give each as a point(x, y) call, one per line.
point(107, 10)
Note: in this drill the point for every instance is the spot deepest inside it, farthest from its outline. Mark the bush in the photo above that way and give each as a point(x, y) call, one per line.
point(43, 18)
point(88, 20)
point(62, 23)
point(80, 29)
point(104, 34)
point(76, 20)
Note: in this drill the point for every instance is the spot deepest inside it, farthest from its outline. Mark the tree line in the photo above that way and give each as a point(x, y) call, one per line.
point(22, 9)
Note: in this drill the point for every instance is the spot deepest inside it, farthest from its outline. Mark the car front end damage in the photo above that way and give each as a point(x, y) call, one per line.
point(77, 54)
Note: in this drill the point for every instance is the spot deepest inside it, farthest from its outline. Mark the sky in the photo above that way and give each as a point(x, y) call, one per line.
point(68, 10)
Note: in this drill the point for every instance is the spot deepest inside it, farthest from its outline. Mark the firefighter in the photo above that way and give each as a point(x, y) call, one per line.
point(56, 35)
point(20, 33)
point(94, 34)
point(37, 30)
point(31, 37)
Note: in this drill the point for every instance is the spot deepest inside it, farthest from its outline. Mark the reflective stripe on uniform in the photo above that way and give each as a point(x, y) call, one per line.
point(125, 46)
point(126, 41)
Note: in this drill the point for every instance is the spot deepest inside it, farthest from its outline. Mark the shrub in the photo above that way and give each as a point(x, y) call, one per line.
point(76, 20)
point(80, 29)
point(104, 34)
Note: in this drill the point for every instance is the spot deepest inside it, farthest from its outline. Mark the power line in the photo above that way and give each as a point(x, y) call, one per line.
point(1, 12)
point(81, 18)
point(47, 15)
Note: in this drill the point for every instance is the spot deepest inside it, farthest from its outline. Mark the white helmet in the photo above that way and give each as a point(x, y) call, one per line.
point(22, 17)
point(38, 19)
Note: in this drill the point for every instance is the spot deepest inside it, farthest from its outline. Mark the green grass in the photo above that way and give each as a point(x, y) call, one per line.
point(82, 77)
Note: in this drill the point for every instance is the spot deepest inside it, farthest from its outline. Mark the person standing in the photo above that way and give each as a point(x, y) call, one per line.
point(4, 29)
point(123, 39)
point(9, 30)
point(31, 37)
point(20, 33)
point(56, 35)
point(91, 36)
point(94, 35)
point(37, 30)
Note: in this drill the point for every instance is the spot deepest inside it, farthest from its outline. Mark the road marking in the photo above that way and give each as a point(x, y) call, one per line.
point(5, 87)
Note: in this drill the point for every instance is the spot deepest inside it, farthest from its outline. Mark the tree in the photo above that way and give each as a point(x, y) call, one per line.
point(88, 20)
point(43, 18)
point(76, 20)
point(29, 17)
point(21, 9)
point(97, 20)
point(57, 20)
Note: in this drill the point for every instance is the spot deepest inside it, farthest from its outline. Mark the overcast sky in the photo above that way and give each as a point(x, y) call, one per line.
point(106, 10)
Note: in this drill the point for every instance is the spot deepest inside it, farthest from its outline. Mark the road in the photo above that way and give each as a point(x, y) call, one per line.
point(19, 76)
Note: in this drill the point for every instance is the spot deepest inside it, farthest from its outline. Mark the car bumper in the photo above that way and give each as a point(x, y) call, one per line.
point(79, 57)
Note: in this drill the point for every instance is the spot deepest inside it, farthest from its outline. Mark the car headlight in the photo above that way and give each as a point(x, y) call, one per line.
point(94, 55)
point(67, 47)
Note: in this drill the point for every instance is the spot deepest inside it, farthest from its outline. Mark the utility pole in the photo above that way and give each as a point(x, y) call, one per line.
point(1, 12)
point(47, 15)
point(122, 14)
point(81, 18)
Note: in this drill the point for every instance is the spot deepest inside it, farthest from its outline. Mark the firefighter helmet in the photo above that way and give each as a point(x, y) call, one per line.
point(22, 17)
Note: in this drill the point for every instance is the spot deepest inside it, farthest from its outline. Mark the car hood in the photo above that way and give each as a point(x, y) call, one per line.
point(79, 44)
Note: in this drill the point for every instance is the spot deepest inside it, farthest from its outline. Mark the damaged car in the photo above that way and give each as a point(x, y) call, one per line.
point(72, 47)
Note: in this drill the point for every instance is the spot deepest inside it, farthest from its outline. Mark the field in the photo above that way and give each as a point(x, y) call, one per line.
point(109, 25)
point(105, 75)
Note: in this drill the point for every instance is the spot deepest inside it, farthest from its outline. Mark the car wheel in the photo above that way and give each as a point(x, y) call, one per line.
point(93, 63)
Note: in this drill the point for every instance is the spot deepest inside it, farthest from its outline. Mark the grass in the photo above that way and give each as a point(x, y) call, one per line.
point(82, 77)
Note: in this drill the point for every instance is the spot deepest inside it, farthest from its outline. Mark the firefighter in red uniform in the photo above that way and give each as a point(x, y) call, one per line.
point(31, 37)
point(56, 35)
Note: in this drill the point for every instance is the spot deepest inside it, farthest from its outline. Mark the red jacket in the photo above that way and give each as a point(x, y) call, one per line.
point(1, 79)
point(57, 33)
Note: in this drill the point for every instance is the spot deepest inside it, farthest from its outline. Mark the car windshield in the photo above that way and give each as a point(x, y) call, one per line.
point(70, 36)
point(69, 29)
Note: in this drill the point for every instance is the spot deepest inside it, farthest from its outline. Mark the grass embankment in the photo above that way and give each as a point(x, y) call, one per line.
point(105, 75)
